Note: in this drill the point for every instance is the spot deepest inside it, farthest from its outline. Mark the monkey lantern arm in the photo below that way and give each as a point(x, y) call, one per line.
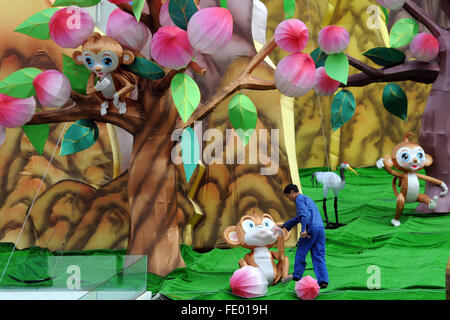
point(388, 167)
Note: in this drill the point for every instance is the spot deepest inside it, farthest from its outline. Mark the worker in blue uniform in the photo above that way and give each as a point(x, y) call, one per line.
point(312, 235)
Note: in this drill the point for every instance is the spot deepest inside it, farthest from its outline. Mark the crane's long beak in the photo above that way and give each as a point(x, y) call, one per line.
point(351, 169)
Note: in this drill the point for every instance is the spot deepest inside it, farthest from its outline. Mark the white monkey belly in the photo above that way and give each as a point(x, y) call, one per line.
point(263, 259)
point(413, 188)
point(108, 93)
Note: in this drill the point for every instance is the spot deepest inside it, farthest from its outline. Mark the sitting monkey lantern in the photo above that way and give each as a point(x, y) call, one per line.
point(409, 157)
point(103, 56)
point(256, 232)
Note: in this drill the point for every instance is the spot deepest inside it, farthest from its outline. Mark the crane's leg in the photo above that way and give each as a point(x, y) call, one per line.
point(325, 192)
point(336, 224)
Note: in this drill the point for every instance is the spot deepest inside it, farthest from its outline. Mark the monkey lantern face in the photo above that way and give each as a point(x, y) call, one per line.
point(102, 63)
point(259, 235)
point(411, 159)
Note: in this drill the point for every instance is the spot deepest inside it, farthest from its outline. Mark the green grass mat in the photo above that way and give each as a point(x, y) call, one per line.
point(411, 258)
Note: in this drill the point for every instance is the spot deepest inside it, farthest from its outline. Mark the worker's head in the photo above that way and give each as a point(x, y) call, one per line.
point(291, 192)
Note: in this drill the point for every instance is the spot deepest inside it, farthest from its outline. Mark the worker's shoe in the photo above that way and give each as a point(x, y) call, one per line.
point(289, 278)
point(323, 285)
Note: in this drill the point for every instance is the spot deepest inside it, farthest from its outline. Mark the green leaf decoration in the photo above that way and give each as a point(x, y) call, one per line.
point(138, 6)
point(145, 68)
point(402, 32)
point(319, 57)
point(79, 3)
point(243, 116)
point(342, 108)
point(337, 67)
point(289, 9)
point(37, 134)
point(78, 74)
point(81, 135)
point(395, 101)
point(190, 152)
point(224, 4)
point(36, 26)
point(181, 12)
point(386, 57)
point(20, 83)
point(386, 14)
point(185, 94)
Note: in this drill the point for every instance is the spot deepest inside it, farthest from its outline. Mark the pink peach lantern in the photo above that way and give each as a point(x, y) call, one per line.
point(170, 47)
point(52, 88)
point(307, 288)
point(291, 35)
point(392, 4)
point(324, 85)
point(70, 27)
point(333, 39)
point(424, 47)
point(248, 282)
point(295, 75)
point(127, 30)
point(164, 17)
point(116, 2)
point(16, 112)
point(210, 29)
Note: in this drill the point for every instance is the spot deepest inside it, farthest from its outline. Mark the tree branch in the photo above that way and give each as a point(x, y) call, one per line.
point(445, 4)
point(85, 107)
point(244, 81)
point(419, 14)
point(145, 18)
point(416, 71)
point(370, 71)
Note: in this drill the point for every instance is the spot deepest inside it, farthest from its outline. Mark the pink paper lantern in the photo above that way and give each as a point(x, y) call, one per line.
point(291, 35)
point(248, 282)
point(127, 30)
point(424, 47)
point(295, 75)
point(324, 85)
point(392, 4)
point(307, 288)
point(333, 39)
point(116, 2)
point(210, 29)
point(164, 17)
point(2, 135)
point(16, 112)
point(170, 47)
point(70, 27)
point(52, 88)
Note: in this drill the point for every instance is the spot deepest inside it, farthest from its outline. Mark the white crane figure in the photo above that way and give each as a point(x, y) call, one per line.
point(335, 182)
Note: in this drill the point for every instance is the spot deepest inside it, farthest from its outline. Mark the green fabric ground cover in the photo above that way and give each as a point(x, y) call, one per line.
point(411, 258)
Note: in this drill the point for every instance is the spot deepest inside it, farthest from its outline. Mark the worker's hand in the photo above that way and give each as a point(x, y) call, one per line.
point(277, 231)
point(380, 163)
point(444, 187)
point(304, 234)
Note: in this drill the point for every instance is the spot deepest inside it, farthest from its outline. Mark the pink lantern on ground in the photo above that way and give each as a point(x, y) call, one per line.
point(2, 135)
point(392, 4)
point(324, 85)
point(170, 47)
point(70, 27)
point(248, 282)
point(210, 29)
point(333, 39)
point(295, 75)
point(52, 88)
point(307, 288)
point(164, 17)
point(16, 112)
point(424, 47)
point(291, 35)
point(127, 30)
